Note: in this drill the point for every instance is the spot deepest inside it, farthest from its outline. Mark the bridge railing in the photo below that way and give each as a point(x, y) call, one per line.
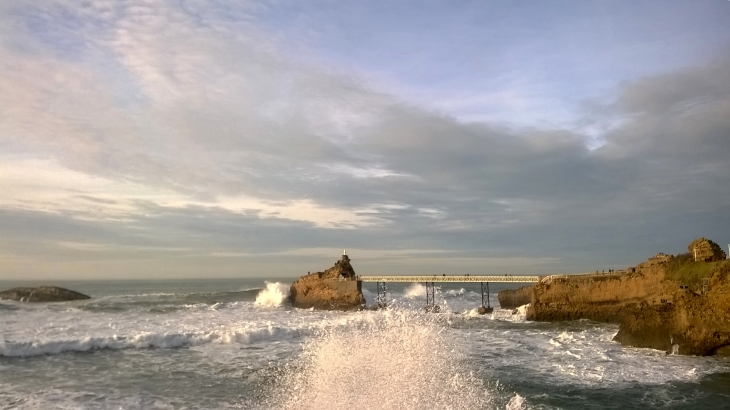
point(453, 278)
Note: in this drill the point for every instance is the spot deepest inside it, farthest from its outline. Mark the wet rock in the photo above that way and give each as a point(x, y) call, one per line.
point(42, 294)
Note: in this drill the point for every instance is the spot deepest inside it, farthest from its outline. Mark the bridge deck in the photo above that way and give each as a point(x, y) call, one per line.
point(436, 278)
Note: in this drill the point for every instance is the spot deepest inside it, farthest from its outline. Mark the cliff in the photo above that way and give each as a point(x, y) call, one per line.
point(691, 322)
point(42, 294)
point(663, 303)
point(334, 289)
point(600, 297)
point(514, 298)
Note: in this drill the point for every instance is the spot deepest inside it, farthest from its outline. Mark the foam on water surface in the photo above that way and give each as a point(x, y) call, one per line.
point(233, 350)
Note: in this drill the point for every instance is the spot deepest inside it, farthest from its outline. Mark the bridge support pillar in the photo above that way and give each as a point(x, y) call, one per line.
point(483, 310)
point(431, 298)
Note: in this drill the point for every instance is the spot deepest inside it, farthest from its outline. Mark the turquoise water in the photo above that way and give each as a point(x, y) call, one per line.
point(237, 344)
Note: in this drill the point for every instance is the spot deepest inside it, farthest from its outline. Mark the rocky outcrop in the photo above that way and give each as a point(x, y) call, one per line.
point(663, 303)
point(704, 250)
point(600, 297)
point(334, 289)
point(514, 298)
point(42, 294)
point(692, 323)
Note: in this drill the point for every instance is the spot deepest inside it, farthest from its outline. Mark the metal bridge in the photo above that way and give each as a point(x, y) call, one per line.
point(462, 278)
point(430, 282)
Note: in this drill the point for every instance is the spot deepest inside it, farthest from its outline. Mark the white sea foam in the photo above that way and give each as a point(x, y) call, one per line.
point(515, 403)
point(399, 359)
point(273, 295)
point(165, 340)
point(415, 290)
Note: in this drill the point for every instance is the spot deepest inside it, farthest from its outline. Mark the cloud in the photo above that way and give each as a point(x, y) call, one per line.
point(142, 131)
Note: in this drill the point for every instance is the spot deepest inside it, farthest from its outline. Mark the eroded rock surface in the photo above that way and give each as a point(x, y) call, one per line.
point(706, 250)
point(334, 289)
point(42, 294)
point(653, 311)
point(514, 298)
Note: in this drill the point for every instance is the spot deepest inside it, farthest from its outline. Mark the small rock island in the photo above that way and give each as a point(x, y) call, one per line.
point(42, 294)
point(337, 288)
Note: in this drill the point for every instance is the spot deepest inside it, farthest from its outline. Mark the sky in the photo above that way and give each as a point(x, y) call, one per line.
point(154, 139)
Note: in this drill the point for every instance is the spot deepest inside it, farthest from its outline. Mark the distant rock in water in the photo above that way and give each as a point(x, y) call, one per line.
point(514, 298)
point(42, 294)
point(334, 289)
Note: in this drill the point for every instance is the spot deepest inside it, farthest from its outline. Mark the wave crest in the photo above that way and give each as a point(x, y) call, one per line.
point(273, 295)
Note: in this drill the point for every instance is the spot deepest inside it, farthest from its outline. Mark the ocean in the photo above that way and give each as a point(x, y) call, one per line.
point(236, 344)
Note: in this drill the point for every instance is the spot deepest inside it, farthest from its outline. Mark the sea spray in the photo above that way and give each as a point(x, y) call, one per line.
point(415, 290)
point(273, 295)
point(390, 360)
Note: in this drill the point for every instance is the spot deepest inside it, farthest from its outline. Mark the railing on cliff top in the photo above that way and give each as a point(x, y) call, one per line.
point(453, 278)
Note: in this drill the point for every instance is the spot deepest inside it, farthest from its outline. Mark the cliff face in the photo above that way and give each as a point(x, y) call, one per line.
point(333, 289)
point(696, 323)
point(42, 294)
point(514, 298)
point(655, 302)
point(603, 298)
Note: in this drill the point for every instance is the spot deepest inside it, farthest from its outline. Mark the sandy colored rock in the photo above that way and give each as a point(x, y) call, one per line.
point(333, 289)
point(514, 298)
point(603, 298)
point(652, 310)
point(42, 294)
point(706, 250)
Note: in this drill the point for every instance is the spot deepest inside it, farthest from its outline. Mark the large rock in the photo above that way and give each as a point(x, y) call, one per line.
point(690, 323)
point(514, 298)
point(603, 298)
point(337, 288)
point(42, 294)
point(655, 307)
point(706, 250)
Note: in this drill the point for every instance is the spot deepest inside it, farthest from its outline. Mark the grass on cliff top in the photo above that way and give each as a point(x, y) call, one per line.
point(682, 268)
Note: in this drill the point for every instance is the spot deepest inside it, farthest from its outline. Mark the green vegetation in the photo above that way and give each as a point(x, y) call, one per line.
point(683, 269)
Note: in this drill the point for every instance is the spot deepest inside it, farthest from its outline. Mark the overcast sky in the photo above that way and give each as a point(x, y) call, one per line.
point(225, 138)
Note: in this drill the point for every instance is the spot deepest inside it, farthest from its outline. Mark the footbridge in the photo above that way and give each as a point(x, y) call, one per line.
point(430, 283)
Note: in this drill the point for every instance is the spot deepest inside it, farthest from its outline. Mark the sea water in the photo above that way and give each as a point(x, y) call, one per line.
point(236, 344)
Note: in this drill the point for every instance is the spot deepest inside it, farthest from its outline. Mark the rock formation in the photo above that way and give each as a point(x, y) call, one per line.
point(603, 298)
point(658, 303)
point(42, 294)
point(705, 250)
point(697, 323)
point(514, 298)
point(334, 289)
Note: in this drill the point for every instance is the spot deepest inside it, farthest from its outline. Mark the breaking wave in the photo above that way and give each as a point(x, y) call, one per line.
point(399, 356)
point(273, 295)
point(147, 340)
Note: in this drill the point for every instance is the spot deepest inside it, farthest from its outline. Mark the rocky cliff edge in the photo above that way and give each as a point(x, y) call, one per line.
point(679, 304)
